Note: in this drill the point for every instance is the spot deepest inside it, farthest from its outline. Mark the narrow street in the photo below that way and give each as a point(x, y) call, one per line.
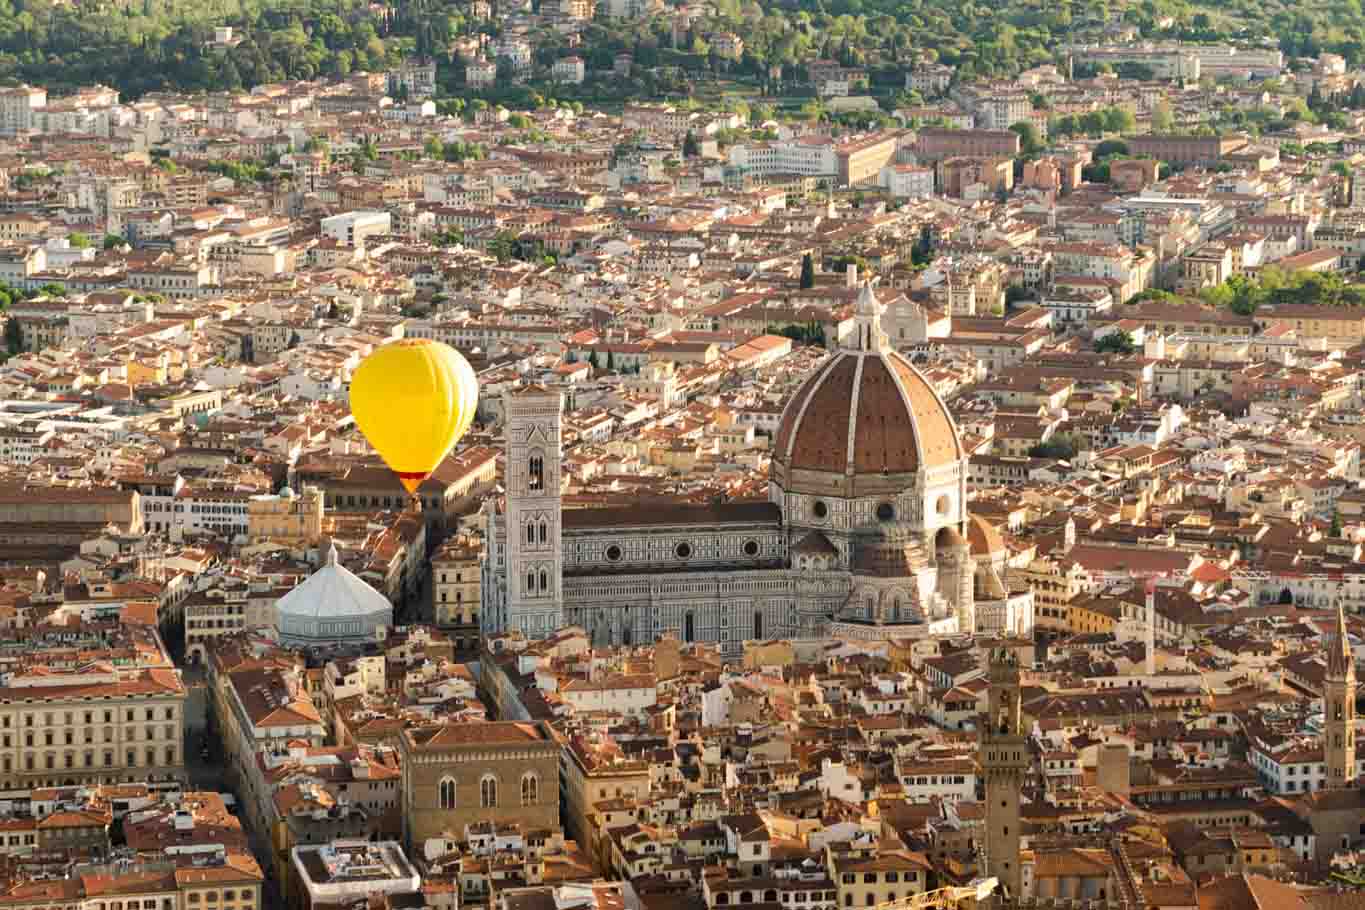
point(204, 774)
point(204, 763)
point(417, 610)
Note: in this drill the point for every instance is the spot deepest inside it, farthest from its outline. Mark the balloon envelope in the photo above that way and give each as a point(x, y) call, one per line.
point(413, 400)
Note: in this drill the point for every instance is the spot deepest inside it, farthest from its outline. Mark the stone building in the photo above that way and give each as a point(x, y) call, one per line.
point(1339, 708)
point(863, 534)
point(286, 517)
point(460, 774)
point(455, 590)
point(1005, 760)
point(111, 726)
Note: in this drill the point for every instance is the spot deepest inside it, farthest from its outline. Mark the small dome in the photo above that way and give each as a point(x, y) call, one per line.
point(948, 537)
point(333, 605)
point(983, 536)
point(287, 493)
point(895, 550)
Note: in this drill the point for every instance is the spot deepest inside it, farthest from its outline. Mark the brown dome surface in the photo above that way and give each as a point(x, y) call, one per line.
point(983, 536)
point(872, 410)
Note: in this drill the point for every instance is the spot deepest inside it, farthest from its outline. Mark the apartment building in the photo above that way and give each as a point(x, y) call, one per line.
point(104, 726)
point(17, 106)
point(937, 144)
point(1183, 149)
point(455, 575)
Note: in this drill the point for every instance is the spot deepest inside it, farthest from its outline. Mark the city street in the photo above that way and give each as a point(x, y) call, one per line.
point(418, 609)
point(211, 774)
point(204, 774)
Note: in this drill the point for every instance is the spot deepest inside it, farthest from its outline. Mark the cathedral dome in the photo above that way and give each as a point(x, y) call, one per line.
point(866, 411)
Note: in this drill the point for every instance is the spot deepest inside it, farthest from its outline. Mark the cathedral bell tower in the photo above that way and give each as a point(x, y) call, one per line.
point(1004, 760)
point(1339, 709)
point(534, 508)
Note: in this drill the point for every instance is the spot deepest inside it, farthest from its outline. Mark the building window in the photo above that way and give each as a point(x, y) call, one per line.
point(488, 792)
point(530, 789)
point(447, 793)
point(537, 472)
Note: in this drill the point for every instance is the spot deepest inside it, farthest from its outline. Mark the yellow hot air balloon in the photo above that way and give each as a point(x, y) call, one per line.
point(413, 400)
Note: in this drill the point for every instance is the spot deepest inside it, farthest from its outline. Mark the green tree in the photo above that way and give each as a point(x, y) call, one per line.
point(503, 246)
point(1119, 120)
point(1163, 118)
point(1029, 141)
point(14, 336)
point(1110, 148)
point(1120, 342)
point(434, 148)
point(77, 240)
point(691, 148)
point(1155, 295)
point(1061, 445)
point(807, 271)
point(113, 240)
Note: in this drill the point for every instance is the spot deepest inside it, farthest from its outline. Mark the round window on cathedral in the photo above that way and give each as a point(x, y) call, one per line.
point(886, 511)
point(750, 548)
point(613, 553)
point(683, 550)
point(819, 509)
point(943, 504)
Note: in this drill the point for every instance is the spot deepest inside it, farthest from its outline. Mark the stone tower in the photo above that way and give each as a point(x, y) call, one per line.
point(1339, 709)
point(533, 513)
point(1005, 760)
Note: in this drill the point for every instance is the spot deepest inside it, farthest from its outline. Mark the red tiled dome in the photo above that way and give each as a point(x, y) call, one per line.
point(869, 410)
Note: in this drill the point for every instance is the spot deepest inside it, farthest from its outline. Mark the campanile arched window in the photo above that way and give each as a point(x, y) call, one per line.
point(537, 472)
point(447, 793)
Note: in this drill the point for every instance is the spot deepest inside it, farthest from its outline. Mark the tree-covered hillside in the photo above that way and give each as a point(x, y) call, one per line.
point(144, 45)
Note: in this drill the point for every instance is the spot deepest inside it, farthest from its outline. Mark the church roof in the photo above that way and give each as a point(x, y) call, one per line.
point(815, 543)
point(648, 514)
point(333, 592)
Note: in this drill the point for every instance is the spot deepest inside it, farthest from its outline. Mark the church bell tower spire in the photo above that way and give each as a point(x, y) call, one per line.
point(1339, 708)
